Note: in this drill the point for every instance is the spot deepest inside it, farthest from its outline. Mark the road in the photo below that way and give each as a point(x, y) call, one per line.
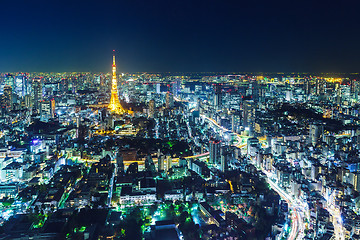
point(111, 190)
point(337, 222)
point(297, 225)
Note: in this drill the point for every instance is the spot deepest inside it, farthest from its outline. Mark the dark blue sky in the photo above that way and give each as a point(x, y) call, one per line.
point(180, 35)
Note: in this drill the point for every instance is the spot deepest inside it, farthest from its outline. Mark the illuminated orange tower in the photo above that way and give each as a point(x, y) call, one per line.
point(114, 104)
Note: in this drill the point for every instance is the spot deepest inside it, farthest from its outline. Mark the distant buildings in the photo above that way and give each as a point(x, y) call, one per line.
point(202, 147)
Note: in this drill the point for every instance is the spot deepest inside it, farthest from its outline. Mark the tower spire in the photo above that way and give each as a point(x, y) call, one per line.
point(114, 58)
point(114, 104)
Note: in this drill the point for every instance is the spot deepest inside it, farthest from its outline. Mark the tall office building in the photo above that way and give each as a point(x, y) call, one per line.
point(157, 88)
point(214, 148)
point(7, 98)
point(307, 87)
point(10, 81)
point(354, 88)
point(262, 93)
point(316, 131)
point(21, 85)
point(37, 92)
point(254, 90)
point(224, 158)
point(319, 86)
point(47, 110)
point(338, 93)
point(28, 101)
point(235, 121)
point(249, 115)
point(176, 86)
point(2, 84)
point(217, 96)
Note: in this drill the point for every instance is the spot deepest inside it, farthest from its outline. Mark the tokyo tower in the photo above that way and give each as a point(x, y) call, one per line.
point(114, 104)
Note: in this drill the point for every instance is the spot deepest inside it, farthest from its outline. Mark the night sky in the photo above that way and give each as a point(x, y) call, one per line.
point(190, 36)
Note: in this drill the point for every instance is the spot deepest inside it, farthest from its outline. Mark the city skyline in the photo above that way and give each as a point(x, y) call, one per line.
point(197, 36)
point(210, 120)
point(195, 156)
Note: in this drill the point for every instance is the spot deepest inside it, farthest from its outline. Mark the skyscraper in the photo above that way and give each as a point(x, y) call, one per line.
point(114, 104)
point(7, 98)
point(319, 86)
point(10, 81)
point(217, 96)
point(224, 158)
point(47, 110)
point(214, 151)
point(176, 85)
point(338, 93)
point(37, 92)
point(307, 87)
point(354, 88)
point(249, 115)
point(28, 101)
point(21, 85)
point(235, 121)
point(254, 90)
